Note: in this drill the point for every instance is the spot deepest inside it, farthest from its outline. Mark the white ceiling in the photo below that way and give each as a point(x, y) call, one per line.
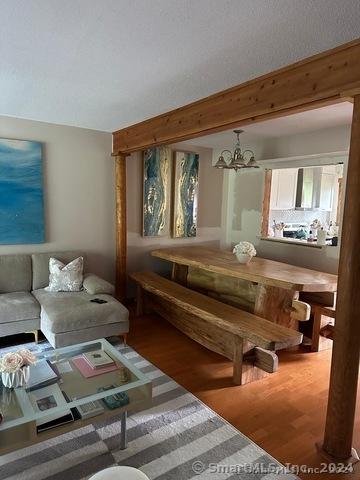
point(105, 64)
point(325, 117)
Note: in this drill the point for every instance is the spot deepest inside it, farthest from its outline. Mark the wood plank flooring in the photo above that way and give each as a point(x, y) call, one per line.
point(284, 413)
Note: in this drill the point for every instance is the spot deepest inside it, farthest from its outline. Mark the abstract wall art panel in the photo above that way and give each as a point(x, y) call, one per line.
point(21, 193)
point(186, 187)
point(156, 191)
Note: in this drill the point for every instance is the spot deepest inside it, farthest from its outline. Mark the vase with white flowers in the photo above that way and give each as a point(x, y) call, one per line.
point(244, 252)
point(15, 368)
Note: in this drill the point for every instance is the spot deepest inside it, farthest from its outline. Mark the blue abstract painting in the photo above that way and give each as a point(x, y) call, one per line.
point(156, 191)
point(21, 193)
point(186, 194)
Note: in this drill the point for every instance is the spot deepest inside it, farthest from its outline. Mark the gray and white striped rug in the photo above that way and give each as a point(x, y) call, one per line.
point(177, 438)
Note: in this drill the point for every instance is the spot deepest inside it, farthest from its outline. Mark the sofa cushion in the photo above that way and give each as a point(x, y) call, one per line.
point(95, 285)
point(15, 273)
point(40, 266)
point(18, 306)
point(68, 311)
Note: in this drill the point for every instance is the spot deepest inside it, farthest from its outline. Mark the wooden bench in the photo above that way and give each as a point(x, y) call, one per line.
point(246, 339)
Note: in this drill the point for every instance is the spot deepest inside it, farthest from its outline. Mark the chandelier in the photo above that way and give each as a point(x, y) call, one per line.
point(237, 160)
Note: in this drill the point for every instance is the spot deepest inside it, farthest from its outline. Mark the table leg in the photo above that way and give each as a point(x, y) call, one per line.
point(123, 434)
point(179, 274)
point(275, 304)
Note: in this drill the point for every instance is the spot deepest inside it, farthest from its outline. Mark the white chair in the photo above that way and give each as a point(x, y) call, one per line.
point(120, 473)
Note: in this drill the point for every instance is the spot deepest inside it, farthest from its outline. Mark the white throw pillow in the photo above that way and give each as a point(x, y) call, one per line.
point(65, 278)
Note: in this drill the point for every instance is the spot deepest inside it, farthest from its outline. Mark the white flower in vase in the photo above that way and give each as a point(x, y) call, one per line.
point(244, 252)
point(15, 368)
point(11, 362)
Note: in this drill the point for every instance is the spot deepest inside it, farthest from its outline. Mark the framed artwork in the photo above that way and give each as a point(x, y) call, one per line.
point(186, 193)
point(156, 191)
point(21, 192)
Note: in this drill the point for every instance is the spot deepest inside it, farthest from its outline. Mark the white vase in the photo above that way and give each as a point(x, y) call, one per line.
point(16, 379)
point(243, 258)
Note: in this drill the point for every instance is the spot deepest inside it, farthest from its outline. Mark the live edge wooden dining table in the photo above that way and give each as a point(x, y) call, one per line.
point(270, 289)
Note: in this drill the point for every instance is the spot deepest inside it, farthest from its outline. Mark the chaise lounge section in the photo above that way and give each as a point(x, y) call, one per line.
point(65, 318)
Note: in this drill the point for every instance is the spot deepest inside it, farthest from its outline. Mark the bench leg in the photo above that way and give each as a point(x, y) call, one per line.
point(318, 341)
point(238, 361)
point(251, 363)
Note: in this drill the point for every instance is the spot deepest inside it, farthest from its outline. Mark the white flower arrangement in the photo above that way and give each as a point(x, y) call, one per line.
point(245, 248)
point(13, 361)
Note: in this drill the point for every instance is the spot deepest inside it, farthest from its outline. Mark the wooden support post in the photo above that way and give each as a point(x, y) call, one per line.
point(121, 227)
point(266, 204)
point(346, 351)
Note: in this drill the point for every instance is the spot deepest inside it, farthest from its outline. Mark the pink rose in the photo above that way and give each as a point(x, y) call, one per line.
point(28, 357)
point(11, 362)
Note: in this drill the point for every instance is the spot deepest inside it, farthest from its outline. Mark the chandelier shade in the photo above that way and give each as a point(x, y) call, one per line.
point(221, 163)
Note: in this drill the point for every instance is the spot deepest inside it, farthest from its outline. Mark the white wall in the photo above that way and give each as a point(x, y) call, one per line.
point(335, 139)
point(78, 191)
point(243, 195)
point(231, 200)
point(79, 195)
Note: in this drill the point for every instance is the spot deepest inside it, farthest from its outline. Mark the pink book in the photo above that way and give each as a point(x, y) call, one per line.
point(87, 371)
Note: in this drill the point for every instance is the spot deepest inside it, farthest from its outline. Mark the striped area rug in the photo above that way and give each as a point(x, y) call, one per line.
point(177, 438)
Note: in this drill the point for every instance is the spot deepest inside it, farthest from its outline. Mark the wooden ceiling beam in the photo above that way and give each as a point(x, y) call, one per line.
point(326, 78)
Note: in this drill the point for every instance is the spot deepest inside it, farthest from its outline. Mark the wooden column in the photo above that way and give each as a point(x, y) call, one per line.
point(346, 350)
point(266, 204)
point(121, 227)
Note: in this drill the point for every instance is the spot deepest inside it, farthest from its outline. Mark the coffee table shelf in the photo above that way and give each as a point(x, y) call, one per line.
point(20, 417)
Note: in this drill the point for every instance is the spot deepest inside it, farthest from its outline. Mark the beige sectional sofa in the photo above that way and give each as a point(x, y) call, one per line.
point(65, 318)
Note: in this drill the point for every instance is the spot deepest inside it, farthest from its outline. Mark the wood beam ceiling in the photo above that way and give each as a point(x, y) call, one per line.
point(326, 78)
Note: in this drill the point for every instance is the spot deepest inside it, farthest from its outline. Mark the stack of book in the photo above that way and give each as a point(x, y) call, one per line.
point(45, 394)
point(44, 400)
point(94, 363)
point(42, 374)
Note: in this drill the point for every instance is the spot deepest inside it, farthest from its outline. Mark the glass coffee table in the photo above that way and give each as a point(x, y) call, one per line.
point(116, 392)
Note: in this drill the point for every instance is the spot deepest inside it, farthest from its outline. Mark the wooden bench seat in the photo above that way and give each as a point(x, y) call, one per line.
point(246, 339)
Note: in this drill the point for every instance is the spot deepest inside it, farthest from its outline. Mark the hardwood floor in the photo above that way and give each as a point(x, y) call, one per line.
point(284, 413)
